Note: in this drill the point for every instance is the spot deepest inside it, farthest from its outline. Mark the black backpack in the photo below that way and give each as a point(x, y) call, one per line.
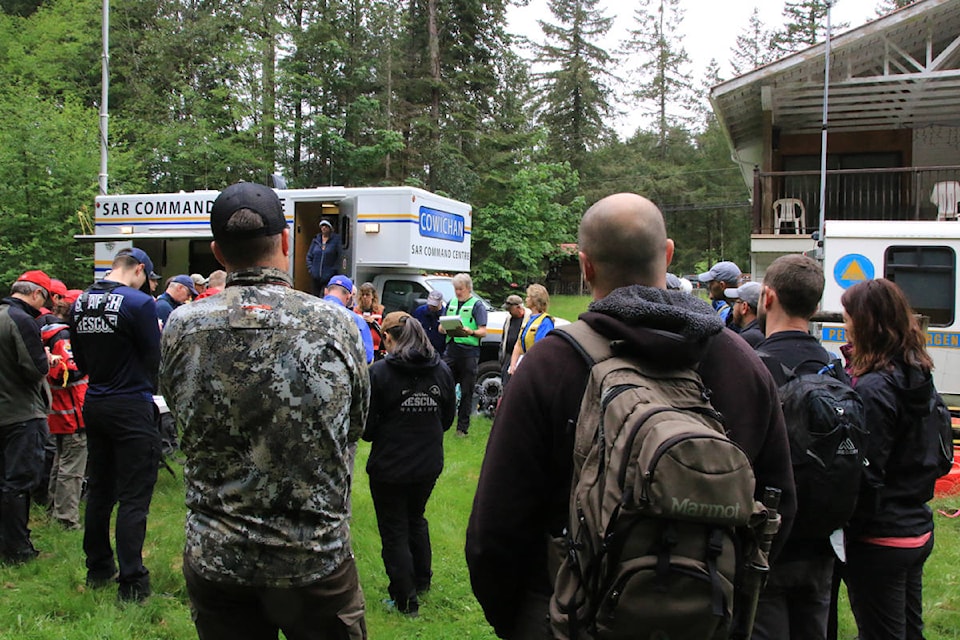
point(826, 427)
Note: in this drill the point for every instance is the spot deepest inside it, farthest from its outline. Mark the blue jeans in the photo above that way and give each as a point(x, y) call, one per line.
point(123, 444)
point(885, 585)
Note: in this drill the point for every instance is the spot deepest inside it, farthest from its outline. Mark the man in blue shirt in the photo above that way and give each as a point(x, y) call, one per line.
point(116, 340)
point(339, 291)
point(429, 316)
point(723, 275)
point(180, 289)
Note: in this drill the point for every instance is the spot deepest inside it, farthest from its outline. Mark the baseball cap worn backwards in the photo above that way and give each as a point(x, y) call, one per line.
point(140, 256)
point(341, 281)
point(247, 195)
point(725, 271)
point(749, 292)
point(36, 277)
point(186, 281)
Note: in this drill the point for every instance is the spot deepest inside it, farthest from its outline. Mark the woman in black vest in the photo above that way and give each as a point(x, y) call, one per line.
point(412, 403)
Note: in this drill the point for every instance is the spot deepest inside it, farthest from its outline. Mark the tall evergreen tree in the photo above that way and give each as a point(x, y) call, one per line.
point(804, 25)
point(659, 64)
point(752, 48)
point(576, 96)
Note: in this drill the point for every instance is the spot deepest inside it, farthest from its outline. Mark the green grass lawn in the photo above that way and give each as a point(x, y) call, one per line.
point(47, 599)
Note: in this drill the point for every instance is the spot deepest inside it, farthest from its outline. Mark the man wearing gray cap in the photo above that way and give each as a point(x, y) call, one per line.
point(516, 312)
point(428, 315)
point(270, 385)
point(722, 275)
point(744, 301)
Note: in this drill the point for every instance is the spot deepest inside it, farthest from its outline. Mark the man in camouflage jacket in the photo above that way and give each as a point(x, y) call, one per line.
point(271, 389)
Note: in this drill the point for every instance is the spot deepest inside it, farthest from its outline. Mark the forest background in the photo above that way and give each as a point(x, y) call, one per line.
point(429, 93)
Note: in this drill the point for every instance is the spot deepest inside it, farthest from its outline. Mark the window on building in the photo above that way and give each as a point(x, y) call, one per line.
point(928, 277)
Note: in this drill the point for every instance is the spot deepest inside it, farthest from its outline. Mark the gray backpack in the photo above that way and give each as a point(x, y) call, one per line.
point(659, 499)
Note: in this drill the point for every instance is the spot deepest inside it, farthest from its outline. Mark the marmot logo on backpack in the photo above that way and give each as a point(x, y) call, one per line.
point(847, 448)
point(704, 510)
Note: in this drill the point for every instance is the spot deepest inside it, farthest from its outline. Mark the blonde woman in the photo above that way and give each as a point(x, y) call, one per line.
point(537, 325)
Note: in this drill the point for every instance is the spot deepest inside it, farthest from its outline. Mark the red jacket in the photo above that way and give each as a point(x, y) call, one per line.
point(68, 385)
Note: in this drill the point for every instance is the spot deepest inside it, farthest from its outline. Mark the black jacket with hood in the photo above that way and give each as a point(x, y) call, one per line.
point(524, 487)
point(412, 402)
point(895, 487)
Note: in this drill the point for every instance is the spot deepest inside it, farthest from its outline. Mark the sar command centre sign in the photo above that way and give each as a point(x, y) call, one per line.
point(851, 269)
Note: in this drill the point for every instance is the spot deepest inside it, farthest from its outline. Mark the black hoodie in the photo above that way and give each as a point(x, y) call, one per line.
point(412, 402)
point(895, 489)
point(524, 485)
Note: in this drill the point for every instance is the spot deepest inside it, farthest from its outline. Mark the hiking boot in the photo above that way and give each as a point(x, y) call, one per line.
point(134, 591)
point(22, 556)
point(411, 611)
point(99, 582)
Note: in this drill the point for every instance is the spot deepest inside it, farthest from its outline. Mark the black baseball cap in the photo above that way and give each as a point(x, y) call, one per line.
point(258, 198)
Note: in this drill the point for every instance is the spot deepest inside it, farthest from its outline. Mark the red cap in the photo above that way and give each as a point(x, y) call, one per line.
point(71, 295)
point(38, 278)
point(57, 287)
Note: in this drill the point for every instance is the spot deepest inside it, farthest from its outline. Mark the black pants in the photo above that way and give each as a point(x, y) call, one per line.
point(463, 366)
point(123, 444)
point(405, 538)
point(330, 609)
point(885, 585)
point(21, 465)
point(795, 602)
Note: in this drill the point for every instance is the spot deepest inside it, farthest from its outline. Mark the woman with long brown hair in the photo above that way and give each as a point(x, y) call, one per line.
point(412, 404)
point(891, 533)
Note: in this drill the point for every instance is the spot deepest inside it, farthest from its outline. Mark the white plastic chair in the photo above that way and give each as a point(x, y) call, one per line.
point(946, 195)
point(789, 211)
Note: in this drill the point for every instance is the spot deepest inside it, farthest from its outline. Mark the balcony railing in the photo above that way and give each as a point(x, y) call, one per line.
point(912, 193)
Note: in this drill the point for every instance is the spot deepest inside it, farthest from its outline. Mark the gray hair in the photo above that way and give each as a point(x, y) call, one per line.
point(25, 288)
point(463, 281)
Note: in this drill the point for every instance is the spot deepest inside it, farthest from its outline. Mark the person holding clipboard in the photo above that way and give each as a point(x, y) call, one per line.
point(462, 352)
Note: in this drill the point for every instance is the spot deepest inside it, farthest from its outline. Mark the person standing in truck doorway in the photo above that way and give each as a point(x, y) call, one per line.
point(462, 354)
point(324, 257)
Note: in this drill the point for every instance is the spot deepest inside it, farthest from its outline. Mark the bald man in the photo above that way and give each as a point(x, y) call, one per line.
point(523, 492)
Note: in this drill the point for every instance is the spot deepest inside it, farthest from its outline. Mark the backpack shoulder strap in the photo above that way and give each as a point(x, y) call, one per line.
point(591, 346)
point(782, 374)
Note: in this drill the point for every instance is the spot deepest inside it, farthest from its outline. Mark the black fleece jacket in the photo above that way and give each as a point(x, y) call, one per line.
point(895, 489)
point(412, 402)
point(524, 484)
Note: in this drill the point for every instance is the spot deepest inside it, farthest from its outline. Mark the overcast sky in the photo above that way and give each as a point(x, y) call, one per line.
point(710, 26)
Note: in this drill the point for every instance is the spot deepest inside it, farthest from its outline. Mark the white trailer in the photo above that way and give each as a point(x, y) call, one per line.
point(922, 258)
point(405, 240)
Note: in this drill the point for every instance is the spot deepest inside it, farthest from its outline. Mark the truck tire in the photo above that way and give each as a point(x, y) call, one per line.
point(488, 389)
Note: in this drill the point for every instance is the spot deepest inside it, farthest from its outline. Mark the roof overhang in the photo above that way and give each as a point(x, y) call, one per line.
point(899, 71)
